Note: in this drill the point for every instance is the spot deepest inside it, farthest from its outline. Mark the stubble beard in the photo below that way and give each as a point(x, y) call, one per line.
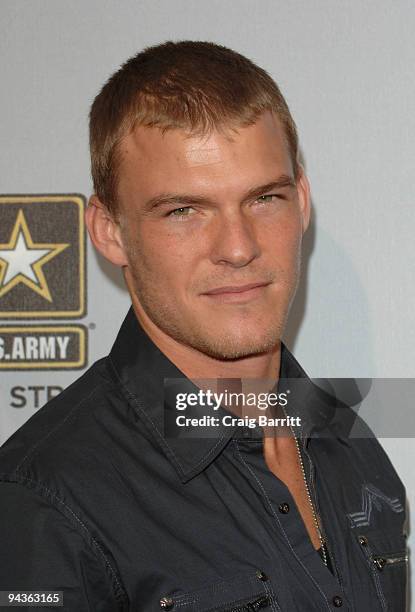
point(223, 346)
point(218, 344)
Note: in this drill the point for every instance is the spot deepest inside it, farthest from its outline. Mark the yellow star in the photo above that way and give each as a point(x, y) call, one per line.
point(21, 260)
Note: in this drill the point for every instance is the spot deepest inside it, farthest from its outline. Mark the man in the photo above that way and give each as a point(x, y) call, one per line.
point(200, 198)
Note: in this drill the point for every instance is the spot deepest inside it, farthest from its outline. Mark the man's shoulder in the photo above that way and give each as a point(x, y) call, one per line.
point(64, 429)
point(49, 475)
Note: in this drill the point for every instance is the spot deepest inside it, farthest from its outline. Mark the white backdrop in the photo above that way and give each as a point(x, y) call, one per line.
point(347, 71)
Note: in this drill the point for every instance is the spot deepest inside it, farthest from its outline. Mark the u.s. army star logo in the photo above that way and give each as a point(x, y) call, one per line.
point(42, 257)
point(21, 260)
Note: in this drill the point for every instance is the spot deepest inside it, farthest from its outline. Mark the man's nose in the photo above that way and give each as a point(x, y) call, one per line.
point(235, 240)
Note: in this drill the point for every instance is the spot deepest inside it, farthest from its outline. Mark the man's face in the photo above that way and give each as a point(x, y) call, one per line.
point(212, 232)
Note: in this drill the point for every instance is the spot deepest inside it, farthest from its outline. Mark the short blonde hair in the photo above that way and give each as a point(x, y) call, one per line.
point(191, 85)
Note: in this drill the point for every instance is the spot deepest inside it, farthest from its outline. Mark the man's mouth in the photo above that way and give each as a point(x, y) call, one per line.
point(237, 293)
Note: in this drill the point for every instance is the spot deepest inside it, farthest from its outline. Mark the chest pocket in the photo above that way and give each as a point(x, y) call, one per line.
point(246, 592)
point(386, 555)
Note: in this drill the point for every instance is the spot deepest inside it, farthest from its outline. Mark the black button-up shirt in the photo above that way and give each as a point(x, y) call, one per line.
point(97, 502)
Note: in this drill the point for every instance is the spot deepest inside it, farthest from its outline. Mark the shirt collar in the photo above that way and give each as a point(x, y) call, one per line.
point(140, 368)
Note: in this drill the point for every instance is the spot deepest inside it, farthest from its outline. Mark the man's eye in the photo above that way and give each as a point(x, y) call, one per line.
point(184, 211)
point(265, 199)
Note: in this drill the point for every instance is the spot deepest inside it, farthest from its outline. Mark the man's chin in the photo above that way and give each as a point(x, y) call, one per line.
point(229, 347)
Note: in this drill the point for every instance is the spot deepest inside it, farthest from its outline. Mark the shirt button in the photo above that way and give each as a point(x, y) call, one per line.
point(337, 601)
point(166, 603)
point(284, 508)
point(261, 575)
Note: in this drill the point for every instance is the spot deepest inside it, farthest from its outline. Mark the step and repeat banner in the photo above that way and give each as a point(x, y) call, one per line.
point(44, 322)
point(43, 298)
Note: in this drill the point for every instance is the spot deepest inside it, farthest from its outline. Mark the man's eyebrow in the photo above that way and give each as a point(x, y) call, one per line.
point(187, 199)
point(282, 181)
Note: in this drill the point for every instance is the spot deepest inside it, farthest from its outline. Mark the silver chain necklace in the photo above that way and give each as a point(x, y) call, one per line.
point(316, 522)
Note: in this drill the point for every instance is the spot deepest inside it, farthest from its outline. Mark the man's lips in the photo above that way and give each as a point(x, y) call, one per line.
point(235, 288)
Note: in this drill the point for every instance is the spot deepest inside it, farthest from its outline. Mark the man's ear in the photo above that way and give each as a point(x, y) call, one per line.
point(304, 196)
point(105, 232)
